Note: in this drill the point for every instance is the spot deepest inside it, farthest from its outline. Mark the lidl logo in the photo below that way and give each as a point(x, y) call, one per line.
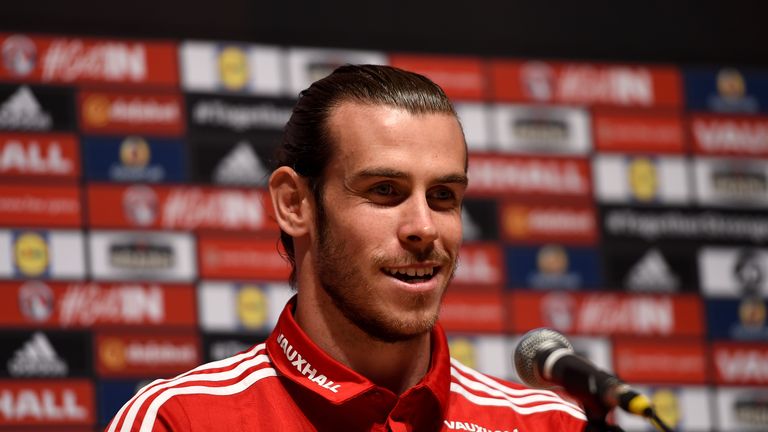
point(233, 68)
point(667, 406)
point(30, 252)
point(643, 179)
point(252, 306)
point(463, 350)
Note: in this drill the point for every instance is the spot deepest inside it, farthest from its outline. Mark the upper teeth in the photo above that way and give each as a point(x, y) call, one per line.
point(424, 271)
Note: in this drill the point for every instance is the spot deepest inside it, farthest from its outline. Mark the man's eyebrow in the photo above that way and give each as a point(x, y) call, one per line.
point(459, 178)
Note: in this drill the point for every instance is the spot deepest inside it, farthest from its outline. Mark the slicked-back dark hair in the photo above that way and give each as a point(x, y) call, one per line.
point(306, 146)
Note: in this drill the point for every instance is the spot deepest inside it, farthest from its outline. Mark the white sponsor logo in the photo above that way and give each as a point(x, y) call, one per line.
point(645, 315)
point(732, 136)
point(477, 313)
point(84, 305)
point(743, 365)
point(240, 117)
point(469, 426)
point(531, 176)
point(241, 166)
point(32, 204)
point(144, 111)
point(645, 363)
point(22, 111)
point(228, 348)
point(140, 205)
point(475, 267)
point(304, 367)
point(42, 405)
point(623, 86)
point(70, 60)
point(31, 159)
point(160, 353)
point(37, 357)
point(652, 273)
point(561, 222)
point(233, 209)
point(19, 55)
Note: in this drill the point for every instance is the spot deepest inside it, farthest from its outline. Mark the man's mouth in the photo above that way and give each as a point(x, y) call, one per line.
point(412, 274)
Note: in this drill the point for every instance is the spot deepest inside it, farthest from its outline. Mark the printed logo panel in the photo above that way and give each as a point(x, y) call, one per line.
point(64, 60)
point(607, 313)
point(586, 84)
point(510, 176)
point(552, 266)
point(481, 266)
point(660, 361)
point(249, 307)
point(232, 67)
point(241, 257)
point(472, 312)
point(541, 223)
point(135, 159)
point(47, 402)
point(87, 305)
point(641, 179)
point(731, 182)
point(681, 224)
point(682, 408)
point(740, 364)
point(42, 254)
point(726, 90)
point(179, 207)
point(215, 114)
point(484, 353)
point(38, 354)
point(729, 135)
point(307, 65)
point(30, 155)
point(219, 346)
point(49, 206)
point(737, 319)
point(145, 354)
point(536, 129)
point(655, 132)
point(232, 160)
point(142, 255)
point(742, 409)
point(733, 272)
point(131, 113)
point(36, 108)
point(639, 267)
point(462, 78)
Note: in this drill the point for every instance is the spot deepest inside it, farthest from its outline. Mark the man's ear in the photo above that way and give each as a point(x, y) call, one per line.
point(291, 200)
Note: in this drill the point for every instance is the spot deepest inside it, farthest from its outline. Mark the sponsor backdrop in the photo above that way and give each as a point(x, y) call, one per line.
point(625, 205)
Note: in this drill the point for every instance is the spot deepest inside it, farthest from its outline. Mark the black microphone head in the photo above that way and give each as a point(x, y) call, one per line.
point(535, 343)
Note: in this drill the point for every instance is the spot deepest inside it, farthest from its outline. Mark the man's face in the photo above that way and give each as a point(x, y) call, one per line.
point(390, 228)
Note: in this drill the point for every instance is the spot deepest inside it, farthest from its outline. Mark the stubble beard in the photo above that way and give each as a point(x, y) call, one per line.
point(352, 296)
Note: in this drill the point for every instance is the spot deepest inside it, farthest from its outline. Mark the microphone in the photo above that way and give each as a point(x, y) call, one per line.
point(545, 358)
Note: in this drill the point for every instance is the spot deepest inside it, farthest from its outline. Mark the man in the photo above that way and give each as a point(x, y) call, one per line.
point(367, 193)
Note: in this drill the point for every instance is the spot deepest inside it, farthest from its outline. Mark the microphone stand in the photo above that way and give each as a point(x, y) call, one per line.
point(596, 419)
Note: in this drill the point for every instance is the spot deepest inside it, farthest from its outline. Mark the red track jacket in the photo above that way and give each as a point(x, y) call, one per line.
point(290, 384)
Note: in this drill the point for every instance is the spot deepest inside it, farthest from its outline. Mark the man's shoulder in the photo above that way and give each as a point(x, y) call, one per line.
point(500, 402)
point(179, 401)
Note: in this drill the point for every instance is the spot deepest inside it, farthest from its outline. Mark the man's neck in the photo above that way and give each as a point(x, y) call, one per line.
point(396, 366)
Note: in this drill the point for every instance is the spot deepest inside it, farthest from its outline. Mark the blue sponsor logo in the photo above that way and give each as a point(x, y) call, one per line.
point(113, 394)
point(726, 90)
point(134, 159)
point(737, 319)
point(553, 266)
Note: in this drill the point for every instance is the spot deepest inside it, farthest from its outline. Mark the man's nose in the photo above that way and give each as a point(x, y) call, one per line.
point(417, 228)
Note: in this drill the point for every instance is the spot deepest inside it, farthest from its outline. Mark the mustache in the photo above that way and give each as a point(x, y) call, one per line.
point(414, 258)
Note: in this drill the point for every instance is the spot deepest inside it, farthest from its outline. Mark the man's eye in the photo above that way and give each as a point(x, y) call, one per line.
point(383, 189)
